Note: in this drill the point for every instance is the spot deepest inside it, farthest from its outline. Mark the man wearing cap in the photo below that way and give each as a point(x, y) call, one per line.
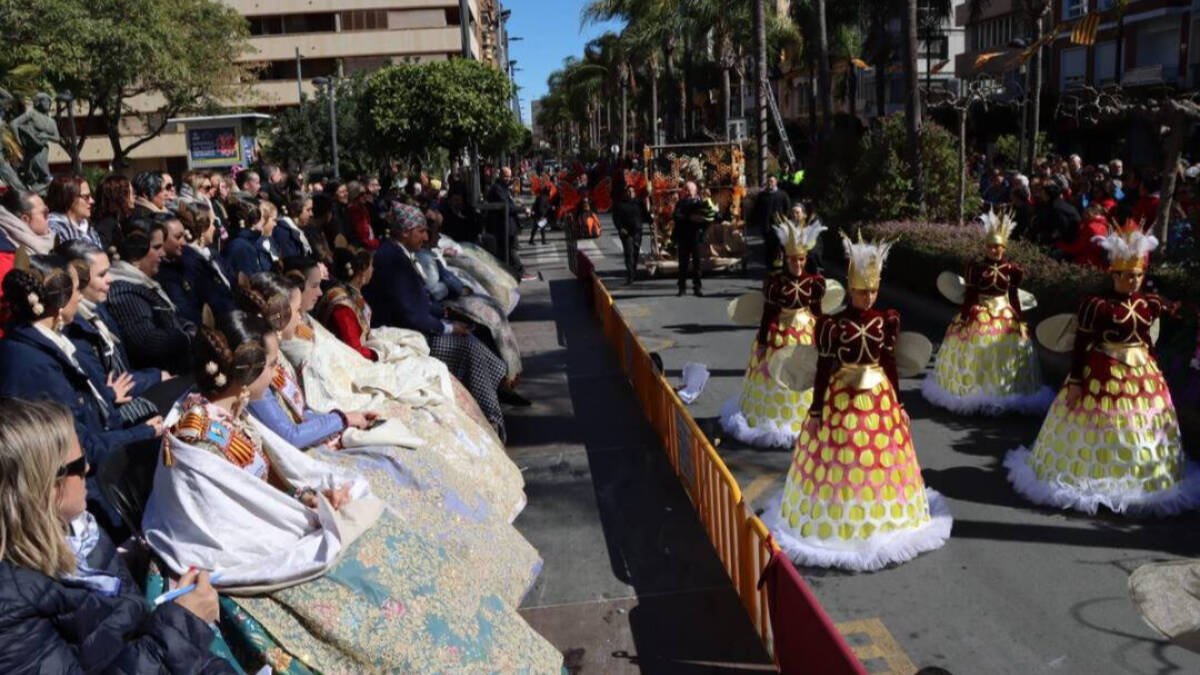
point(398, 297)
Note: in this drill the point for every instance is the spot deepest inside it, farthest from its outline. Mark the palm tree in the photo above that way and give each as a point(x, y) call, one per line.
point(912, 102)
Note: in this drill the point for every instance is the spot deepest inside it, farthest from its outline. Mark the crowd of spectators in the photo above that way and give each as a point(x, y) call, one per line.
point(110, 297)
point(1066, 202)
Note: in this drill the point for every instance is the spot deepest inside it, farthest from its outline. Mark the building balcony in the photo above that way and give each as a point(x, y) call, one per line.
point(445, 40)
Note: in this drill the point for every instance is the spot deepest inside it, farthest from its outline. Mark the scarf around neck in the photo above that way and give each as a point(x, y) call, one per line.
point(20, 234)
point(124, 271)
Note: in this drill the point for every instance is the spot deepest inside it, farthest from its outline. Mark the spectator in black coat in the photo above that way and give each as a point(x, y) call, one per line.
point(190, 273)
point(629, 215)
point(506, 231)
point(772, 203)
point(1057, 220)
point(67, 602)
point(147, 320)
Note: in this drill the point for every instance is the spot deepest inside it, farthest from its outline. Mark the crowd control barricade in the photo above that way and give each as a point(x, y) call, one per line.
point(741, 540)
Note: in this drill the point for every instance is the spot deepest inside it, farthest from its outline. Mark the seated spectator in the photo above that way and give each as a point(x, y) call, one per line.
point(251, 251)
point(146, 317)
point(460, 220)
point(113, 210)
point(69, 199)
point(24, 222)
point(398, 297)
point(1145, 210)
point(342, 309)
point(151, 193)
point(1057, 220)
point(95, 332)
point(1082, 250)
point(359, 214)
point(288, 236)
point(67, 601)
point(189, 273)
point(39, 362)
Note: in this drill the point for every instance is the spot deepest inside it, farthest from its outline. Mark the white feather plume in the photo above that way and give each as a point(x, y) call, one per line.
point(797, 236)
point(1134, 245)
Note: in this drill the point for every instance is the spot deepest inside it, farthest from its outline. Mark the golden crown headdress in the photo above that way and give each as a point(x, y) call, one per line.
point(797, 237)
point(866, 262)
point(997, 225)
point(1127, 251)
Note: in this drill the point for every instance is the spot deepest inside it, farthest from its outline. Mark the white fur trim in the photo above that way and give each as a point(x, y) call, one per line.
point(514, 298)
point(865, 555)
point(766, 435)
point(1092, 494)
point(1036, 403)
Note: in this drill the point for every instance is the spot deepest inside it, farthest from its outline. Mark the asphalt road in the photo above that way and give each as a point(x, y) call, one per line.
point(1018, 588)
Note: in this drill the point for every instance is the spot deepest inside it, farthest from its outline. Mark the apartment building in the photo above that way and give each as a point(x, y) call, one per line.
point(937, 65)
point(330, 37)
point(1157, 37)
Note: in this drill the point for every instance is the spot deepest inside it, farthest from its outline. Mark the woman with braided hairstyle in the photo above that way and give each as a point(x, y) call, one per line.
point(39, 362)
point(415, 481)
point(338, 580)
point(407, 384)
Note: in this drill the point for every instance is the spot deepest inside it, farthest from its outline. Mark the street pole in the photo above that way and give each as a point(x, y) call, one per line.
point(760, 84)
point(299, 78)
point(337, 172)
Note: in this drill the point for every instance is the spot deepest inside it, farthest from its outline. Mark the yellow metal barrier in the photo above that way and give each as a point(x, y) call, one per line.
point(742, 542)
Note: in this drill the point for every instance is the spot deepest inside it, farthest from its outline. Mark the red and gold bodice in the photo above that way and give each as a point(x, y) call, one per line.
point(857, 347)
point(783, 292)
point(994, 285)
point(213, 428)
point(1119, 326)
point(345, 295)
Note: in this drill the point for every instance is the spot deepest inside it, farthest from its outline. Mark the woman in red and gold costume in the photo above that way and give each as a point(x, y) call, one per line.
point(987, 362)
point(854, 496)
point(768, 413)
point(1112, 438)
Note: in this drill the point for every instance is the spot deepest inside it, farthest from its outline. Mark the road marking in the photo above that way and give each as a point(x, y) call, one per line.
point(758, 486)
point(875, 647)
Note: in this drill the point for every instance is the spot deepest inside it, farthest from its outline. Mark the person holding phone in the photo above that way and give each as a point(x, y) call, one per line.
point(68, 603)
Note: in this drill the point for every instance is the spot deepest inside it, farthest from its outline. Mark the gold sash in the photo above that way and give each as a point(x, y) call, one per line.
point(1134, 354)
point(995, 303)
point(860, 377)
point(796, 318)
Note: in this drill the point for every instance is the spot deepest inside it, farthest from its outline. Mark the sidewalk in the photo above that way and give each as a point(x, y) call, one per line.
point(631, 583)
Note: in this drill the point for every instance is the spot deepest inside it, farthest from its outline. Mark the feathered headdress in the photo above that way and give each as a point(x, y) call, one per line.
point(866, 262)
point(797, 237)
point(1127, 251)
point(997, 226)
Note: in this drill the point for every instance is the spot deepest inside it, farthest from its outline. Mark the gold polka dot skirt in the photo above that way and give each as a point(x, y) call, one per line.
point(1118, 447)
point(987, 365)
point(854, 496)
point(768, 413)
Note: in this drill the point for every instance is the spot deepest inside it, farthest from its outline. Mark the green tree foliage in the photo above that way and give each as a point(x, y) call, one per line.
point(150, 60)
point(409, 110)
point(1008, 147)
point(301, 135)
point(869, 180)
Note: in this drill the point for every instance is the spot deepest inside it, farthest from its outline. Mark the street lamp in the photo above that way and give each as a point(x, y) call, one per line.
point(68, 99)
point(329, 83)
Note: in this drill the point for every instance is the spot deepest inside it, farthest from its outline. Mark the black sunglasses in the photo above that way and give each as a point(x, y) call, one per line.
point(77, 468)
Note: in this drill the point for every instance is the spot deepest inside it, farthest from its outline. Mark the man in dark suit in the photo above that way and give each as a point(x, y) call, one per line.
point(771, 204)
point(507, 232)
point(692, 217)
point(398, 297)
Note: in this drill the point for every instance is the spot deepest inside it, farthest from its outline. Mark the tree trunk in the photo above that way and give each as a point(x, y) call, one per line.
point(962, 163)
point(760, 85)
point(1170, 171)
point(881, 62)
point(624, 117)
point(852, 75)
point(654, 139)
point(811, 97)
point(683, 107)
point(670, 124)
point(1036, 113)
point(912, 103)
point(824, 76)
point(726, 98)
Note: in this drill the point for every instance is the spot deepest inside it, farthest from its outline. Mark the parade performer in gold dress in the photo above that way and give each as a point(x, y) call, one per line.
point(1111, 438)
point(768, 413)
point(987, 362)
point(854, 496)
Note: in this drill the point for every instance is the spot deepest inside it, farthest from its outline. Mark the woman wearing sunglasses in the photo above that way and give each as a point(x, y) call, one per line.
point(67, 602)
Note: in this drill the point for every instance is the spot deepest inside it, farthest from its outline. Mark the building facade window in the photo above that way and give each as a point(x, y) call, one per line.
point(990, 33)
point(290, 24)
point(1073, 9)
point(1105, 67)
point(1072, 69)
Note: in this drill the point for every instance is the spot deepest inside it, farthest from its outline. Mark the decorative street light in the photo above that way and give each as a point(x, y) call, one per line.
point(66, 98)
point(330, 86)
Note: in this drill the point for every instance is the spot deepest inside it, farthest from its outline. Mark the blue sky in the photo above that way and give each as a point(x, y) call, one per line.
point(552, 33)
